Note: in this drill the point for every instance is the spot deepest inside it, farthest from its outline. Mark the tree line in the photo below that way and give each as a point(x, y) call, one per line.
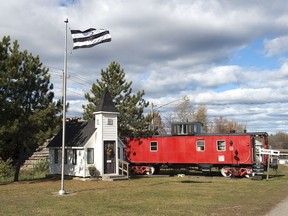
point(29, 114)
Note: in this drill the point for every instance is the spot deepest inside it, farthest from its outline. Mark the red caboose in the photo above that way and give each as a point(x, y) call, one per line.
point(234, 153)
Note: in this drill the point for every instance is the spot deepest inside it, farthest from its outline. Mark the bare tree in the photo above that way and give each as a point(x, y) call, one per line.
point(222, 125)
point(201, 116)
point(157, 124)
point(279, 140)
point(185, 110)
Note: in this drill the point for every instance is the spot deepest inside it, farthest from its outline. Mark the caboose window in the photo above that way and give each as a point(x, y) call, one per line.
point(183, 129)
point(221, 145)
point(200, 145)
point(153, 146)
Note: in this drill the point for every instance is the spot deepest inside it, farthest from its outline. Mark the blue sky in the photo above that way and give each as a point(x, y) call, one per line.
point(253, 56)
point(230, 56)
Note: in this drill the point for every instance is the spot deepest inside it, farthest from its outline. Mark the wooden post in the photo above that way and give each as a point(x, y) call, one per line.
point(268, 167)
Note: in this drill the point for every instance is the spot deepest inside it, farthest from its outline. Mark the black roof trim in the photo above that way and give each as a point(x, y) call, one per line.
point(77, 134)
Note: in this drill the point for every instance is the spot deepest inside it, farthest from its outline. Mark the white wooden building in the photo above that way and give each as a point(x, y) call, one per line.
point(91, 143)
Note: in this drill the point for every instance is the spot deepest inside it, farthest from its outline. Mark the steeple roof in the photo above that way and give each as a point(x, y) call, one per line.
point(106, 103)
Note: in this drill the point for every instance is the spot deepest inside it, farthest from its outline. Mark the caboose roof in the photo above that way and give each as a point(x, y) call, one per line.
point(212, 134)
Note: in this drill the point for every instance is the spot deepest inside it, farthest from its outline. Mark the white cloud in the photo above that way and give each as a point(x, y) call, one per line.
point(168, 48)
point(276, 46)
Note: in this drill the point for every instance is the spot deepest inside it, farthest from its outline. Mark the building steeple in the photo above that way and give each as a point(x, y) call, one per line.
point(106, 123)
point(106, 103)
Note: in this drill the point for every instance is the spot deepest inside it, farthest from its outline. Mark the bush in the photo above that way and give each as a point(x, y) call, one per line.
point(93, 171)
point(39, 170)
point(6, 168)
point(42, 166)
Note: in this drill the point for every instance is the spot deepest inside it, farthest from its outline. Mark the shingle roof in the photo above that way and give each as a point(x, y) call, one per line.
point(76, 134)
point(106, 103)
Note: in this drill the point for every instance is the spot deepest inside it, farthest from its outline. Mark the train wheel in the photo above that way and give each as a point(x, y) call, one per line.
point(226, 172)
point(151, 171)
point(250, 175)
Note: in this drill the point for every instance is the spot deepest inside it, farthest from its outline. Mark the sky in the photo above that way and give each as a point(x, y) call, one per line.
point(229, 55)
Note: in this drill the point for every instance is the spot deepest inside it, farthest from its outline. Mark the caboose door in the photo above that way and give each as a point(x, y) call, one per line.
point(109, 157)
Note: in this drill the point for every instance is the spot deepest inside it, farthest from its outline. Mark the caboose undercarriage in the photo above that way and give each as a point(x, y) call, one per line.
point(237, 172)
point(226, 170)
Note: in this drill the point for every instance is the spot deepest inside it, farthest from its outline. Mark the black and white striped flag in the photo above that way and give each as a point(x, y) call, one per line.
point(89, 37)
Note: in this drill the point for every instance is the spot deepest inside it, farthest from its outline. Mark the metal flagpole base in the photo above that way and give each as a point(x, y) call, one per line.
point(62, 192)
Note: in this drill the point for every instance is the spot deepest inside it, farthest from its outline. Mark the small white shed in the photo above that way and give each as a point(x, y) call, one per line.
point(90, 143)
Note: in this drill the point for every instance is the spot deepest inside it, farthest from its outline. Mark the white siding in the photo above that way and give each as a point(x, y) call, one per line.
point(80, 168)
point(69, 168)
point(54, 168)
point(109, 131)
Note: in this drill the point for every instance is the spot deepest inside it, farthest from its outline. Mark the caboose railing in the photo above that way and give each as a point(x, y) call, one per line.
point(123, 167)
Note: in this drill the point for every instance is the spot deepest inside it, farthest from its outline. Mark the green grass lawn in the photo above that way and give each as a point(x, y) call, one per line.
point(189, 195)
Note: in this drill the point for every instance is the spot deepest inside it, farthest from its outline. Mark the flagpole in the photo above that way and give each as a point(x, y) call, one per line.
point(62, 191)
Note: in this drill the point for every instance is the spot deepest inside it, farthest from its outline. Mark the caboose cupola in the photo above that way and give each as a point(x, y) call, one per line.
point(186, 128)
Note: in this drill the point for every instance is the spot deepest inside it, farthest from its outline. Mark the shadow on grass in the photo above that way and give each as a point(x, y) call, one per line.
point(136, 177)
point(174, 173)
point(122, 186)
point(47, 178)
point(194, 182)
point(274, 176)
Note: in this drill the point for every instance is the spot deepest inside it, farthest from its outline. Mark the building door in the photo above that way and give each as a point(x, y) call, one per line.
point(109, 157)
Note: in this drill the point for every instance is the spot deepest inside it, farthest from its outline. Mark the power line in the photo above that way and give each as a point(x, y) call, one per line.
point(76, 92)
point(74, 78)
point(82, 78)
point(59, 71)
point(77, 81)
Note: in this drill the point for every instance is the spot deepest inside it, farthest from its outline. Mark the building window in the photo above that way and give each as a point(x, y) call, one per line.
point(90, 156)
point(124, 154)
point(200, 145)
point(74, 160)
point(65, 156)
point(98, 122)
point(221, 145)
point(153, 146)
point(56, 156)
point(110, 121)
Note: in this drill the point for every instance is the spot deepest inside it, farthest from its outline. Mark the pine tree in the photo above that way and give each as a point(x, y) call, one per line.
point(132, 121)
point(27, 111)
